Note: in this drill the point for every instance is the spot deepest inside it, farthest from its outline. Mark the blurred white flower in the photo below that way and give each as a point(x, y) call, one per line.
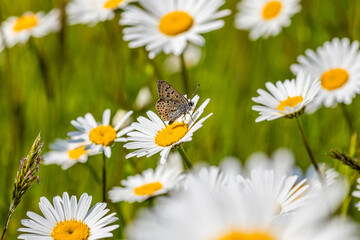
point(143, 99)
point(192, 57)
point(20, 29)
point(169, 25)
point(265, 18)
point(202, 212)
point(91, 12)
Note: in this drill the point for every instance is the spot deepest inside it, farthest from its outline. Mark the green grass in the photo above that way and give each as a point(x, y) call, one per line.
point(101, 72)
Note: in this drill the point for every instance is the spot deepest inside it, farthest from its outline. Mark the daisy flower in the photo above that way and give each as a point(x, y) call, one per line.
point(68, 219)
point(202, 213)
point(213, 176)
point(152, 135)
point(337, 65)
point(149, 183)
point(286, 99)
point(356, 194)
point(20, 29)
point(265, 18)
point(91, 12)
point(287, 192)
point(66, 154)
point(98, 137)
point(282, 161)
point(168, 25)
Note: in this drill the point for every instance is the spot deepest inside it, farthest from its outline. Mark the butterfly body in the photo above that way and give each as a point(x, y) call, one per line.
point(171, 104)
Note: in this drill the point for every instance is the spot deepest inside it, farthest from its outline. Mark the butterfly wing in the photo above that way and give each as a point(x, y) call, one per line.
point(170, 110)
point(167, 92)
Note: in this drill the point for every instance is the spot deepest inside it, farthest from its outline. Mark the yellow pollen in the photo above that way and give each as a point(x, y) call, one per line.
point(271, 10)
point(70, 230)
point(171, 134)
point(148, 189)
point(103, 135)
point(77, 152)
point(25, 22)
point(112, 4)
point(289, 102)
point(334, 79)
point(175, 23)
point(246, 236)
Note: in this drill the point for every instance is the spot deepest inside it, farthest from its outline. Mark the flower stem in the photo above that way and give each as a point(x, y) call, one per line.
point(347, 118)
point(184, 74)
point(44, 69)
point(104, 178)
point(93, 172)
point(184, 156)
point(7, 223)
point(310, 152)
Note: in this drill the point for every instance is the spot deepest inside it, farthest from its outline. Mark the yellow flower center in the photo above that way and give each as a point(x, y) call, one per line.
point(171, 134)
point(70, 230)
point(77, 152)
point(236, 235)
point(112, 4)
point(148, 189)
point(103, 135)
point(25, 22)
point(289, 102)
point(271, 10)
point(175, 23)
point(334, 78)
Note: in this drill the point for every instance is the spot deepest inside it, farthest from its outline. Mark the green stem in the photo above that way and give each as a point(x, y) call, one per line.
point(346, 203)
point(310, 152)
point(347, 118)
point(184, 74)
point(7, 223)
point(184, 156)
point(121, 217)
point(93, 172)
point(44, 69)
point(104, 178)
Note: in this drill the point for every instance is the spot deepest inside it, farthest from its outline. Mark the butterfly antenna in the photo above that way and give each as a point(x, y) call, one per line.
point(193, 94)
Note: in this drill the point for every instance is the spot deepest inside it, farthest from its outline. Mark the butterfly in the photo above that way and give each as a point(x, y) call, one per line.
point(171, 104)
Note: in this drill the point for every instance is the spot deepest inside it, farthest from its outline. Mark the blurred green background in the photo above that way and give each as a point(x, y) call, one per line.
point(94, 70)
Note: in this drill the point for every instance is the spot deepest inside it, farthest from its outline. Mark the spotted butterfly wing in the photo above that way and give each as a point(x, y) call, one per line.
point(171, 104)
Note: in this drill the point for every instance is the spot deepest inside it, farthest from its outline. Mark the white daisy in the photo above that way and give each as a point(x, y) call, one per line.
point(286, 192)
point(99, 137)
point(66, 154)
point(152, 135)
point(93, 11)
point(68, 219)
point(356, 194)
point(202, 213)
point(213, 176)
point(265, 18)
point(286, 99)
point(282, 161)
point(337, 65)
point(20, 29)
point(168, 25)
point(149, 183)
